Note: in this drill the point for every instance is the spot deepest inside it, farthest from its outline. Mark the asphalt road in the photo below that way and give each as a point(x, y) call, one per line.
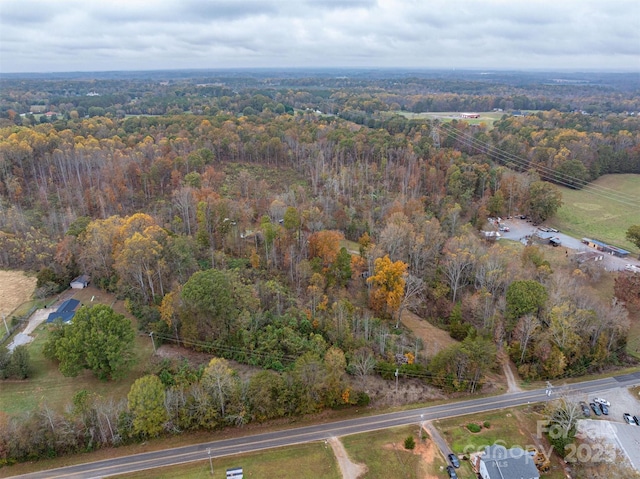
point(199, 452)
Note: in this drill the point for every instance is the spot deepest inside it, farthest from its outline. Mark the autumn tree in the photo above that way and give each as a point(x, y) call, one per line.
point(98, 339)
point(325, 245)
point(147, 405)
point(388, 282)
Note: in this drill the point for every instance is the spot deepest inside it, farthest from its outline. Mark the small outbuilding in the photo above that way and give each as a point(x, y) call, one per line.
point(80, 282)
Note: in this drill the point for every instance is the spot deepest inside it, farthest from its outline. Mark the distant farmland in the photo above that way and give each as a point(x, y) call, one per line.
point(585, 214)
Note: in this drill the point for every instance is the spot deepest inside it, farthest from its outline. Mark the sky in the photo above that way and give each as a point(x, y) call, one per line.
point(108, 35)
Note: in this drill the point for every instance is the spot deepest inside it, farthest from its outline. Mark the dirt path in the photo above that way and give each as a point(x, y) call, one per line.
point(433, 338)
point(349, 470)
point(512, 385)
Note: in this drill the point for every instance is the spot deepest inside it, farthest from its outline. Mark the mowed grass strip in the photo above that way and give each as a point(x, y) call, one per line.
point(599, 216)
point(304, 461)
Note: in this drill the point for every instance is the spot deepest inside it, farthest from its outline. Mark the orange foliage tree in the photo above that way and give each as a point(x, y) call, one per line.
point(325, 245)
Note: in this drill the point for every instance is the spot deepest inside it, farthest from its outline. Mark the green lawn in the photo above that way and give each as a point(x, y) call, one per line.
point(487, 117)
point(597, 216)
point(47, 385)
point(305, 461)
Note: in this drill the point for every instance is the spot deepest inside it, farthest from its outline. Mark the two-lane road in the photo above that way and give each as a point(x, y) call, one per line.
point(199, 452)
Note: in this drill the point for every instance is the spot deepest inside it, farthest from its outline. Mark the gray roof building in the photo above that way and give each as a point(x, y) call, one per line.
point(498, 462)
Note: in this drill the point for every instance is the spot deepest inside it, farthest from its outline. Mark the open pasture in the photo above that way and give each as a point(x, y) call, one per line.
point(595, 213)
point(15, 288)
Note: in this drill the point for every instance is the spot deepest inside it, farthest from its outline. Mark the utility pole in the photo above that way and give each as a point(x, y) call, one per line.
point(210, 461)
point(153, 342)
point(4, 318)
point(396, 381)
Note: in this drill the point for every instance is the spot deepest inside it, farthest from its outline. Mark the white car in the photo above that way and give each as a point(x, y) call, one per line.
point(601, 401)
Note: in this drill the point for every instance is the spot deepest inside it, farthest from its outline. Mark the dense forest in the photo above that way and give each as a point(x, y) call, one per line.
point(288, 222)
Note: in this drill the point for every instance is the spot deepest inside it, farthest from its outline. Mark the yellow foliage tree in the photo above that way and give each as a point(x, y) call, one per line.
point(387, 285)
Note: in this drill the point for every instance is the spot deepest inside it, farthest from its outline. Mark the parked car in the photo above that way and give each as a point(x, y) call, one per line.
point(602, 401)
point(505, 229)
point(552, 230)
point(628, 419)
point(637, 420)
point(452, 472)
point(595, 408)
point(453, 459)
point(585, 409)
point(605, 409)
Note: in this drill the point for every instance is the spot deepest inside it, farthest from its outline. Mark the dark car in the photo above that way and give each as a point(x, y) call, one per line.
point(452, 472)
point(585, 409)
point(637, 420)
point(453, 459)
point(595, 408)
point(605, 409)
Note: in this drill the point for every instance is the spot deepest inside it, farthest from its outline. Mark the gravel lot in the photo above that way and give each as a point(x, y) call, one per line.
point(611, 431)
point(521, 229)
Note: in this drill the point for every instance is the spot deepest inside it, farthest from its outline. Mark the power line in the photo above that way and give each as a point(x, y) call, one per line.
point(564, 179)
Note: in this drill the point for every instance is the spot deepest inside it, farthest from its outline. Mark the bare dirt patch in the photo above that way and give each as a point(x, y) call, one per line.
point(433, 338)
point(15, 288)
point(427, 450)
point(349, 469)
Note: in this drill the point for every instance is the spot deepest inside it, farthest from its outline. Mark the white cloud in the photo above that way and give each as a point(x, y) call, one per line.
point(62, 35)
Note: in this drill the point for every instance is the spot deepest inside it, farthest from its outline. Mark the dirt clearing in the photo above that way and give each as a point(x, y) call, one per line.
point(433, 338)
point(15, 288)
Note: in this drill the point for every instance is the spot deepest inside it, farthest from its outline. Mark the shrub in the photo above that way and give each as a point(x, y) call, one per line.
point(486, 424)
point(409, 443)
point(473, 427)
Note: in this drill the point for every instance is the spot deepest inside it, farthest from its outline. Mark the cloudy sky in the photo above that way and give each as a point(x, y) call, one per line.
point(92, 35)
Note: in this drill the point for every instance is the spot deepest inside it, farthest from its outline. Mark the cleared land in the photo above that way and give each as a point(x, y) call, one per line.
point(487, 117)
point(599, 216)
point(48, 385)
point(15, 288)
point(433, 338)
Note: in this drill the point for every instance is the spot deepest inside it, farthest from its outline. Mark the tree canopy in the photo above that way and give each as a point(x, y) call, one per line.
point(98, 339)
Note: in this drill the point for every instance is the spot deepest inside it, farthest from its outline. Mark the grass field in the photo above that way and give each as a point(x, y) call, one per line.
point(487, 117)
point(48, 385)
point(598, 216)
point(16, 288)
point(384, 455)
point(305, 461)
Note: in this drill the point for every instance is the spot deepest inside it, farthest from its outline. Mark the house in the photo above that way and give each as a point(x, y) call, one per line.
point(80, 282)
point(498, 462)
point(66, 311)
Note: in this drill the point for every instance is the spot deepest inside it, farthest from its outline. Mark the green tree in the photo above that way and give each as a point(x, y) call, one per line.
point(633, 234)
point(212, 303)
point(544, 201)
point(98, 339)
point(524, 297)
point(19, 366)
point(146, 403)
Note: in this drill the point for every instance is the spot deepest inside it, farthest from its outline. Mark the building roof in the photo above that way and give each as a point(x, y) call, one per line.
point(65, 311)
point(64, 316)
point(514, 463)
point(68, 306)
point(83, 278)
